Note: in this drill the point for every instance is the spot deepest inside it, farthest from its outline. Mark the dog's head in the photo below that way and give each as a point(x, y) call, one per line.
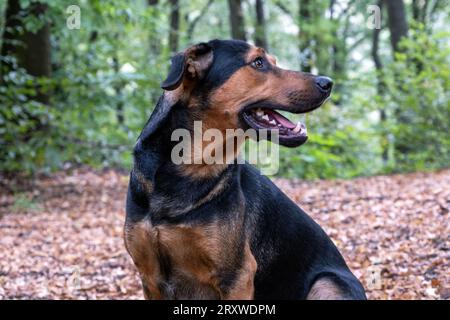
point(230, 84)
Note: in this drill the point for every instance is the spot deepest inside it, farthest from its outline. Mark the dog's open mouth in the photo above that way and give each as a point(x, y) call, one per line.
point(289, 133)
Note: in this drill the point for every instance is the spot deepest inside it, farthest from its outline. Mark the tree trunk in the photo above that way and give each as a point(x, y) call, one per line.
point(174, 26)
point(416, 4)
point(375, 54)
point(10, 34)
point(154, 43)
point(118, 89)
point(423, 10)
point(260, 30)
point(338, 47)
point(381, 87)
point(398, 25)
point(398, 28)
point(237, 20)
point(31, 50)
point(419, 10)
point(306, 53)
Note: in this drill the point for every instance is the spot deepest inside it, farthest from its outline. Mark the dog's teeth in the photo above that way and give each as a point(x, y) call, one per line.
point(297, 128)
point(259, 113)
point(265, 117)
point(280, 125)
point(273, 122)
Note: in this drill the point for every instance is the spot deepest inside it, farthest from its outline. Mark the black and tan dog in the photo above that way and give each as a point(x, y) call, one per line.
point(224, 231)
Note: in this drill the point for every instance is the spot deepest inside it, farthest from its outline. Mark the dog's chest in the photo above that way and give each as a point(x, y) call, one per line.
point(179, 261)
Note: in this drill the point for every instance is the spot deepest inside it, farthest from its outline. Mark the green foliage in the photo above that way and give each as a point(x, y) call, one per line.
point(112, 66)
point(80, 126)
point(418, 100)
point(24, 203)
point(341, 144)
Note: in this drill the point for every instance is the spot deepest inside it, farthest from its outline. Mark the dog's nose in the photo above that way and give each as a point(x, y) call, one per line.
point(324, 84)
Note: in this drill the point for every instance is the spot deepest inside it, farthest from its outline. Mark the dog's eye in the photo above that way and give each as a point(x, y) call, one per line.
point(258, 63)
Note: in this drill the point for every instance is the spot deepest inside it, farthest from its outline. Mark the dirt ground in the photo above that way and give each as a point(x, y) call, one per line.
point(61, 236)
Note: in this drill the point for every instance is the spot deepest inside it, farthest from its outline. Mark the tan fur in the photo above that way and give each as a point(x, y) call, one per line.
point(325, 289)
point(201, 171)
point(244, 286)
point(145, 183)
point(198, 65)
point(140, 242)
point(272, 59)
point(194, 251)
point(197, 256)
point(248, 85)
point(245, 86)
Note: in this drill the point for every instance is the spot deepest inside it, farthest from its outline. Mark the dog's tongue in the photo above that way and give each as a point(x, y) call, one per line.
point(285, 122)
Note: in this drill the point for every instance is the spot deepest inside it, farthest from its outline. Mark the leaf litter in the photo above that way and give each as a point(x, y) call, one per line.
point(61, 237)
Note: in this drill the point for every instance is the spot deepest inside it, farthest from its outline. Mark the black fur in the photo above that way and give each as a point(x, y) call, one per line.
point(291, 250)
point(176, 72)
point(228, 58)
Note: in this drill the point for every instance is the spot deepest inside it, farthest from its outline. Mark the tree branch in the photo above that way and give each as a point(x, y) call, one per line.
point(193, 24)
point(283, 8)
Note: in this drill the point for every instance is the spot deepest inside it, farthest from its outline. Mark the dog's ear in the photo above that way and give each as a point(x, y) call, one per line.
point(188, 65)
point(176, 72)
point(191, 64)
point(159, 116)
point(147, 151)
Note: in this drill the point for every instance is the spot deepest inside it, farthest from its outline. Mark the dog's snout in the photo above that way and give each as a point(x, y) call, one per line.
point(324, 84)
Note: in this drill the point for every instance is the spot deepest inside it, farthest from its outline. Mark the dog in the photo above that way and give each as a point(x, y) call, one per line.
point(224, 231)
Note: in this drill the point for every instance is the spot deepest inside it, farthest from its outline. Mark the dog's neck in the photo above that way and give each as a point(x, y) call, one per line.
point(170, 186)
point(200, 165)
point(175, 195)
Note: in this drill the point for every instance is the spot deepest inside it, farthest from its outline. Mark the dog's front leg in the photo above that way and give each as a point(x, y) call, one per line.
point(139, 243)
point(243, 287)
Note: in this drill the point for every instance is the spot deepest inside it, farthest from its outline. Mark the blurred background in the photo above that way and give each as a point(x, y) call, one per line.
point(79, 78)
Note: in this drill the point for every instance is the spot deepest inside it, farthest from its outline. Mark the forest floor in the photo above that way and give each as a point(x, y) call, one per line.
point(61, 236)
